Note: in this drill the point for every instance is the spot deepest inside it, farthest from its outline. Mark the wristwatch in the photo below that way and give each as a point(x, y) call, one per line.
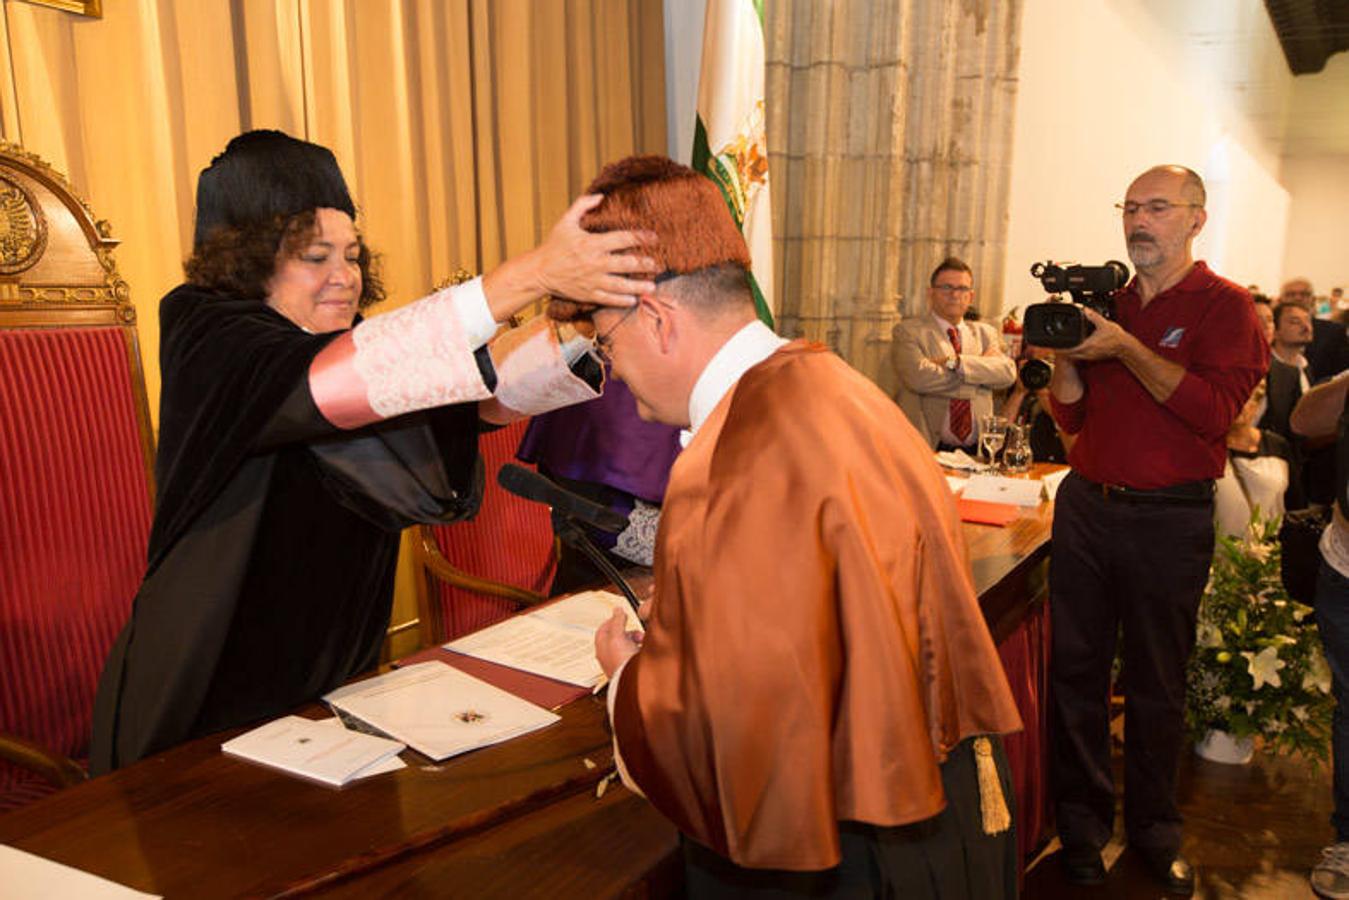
point(952, 363)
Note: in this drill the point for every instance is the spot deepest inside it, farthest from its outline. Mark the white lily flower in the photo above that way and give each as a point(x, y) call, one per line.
point(1318, 673)
point(1264, 666)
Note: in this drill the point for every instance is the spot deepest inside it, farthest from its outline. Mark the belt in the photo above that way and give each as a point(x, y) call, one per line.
point(1189, 493)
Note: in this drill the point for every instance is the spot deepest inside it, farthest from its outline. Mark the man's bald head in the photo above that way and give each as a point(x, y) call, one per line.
point(1299, 291)
point(1191, 185)
point(1163, 213)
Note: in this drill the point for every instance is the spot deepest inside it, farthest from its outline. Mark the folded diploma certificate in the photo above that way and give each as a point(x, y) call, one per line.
point(314, 750)
point(556, 641)
point(436, 710)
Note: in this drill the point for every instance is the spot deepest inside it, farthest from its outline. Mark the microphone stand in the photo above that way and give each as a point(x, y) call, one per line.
point(574, 536)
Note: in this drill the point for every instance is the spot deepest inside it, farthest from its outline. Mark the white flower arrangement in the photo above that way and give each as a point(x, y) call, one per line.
point(1257, 668)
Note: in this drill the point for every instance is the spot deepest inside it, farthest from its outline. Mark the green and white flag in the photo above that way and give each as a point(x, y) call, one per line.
point(729, 144)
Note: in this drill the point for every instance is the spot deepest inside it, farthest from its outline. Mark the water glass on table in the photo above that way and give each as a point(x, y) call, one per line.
point(992, 432)
point(1016, 455)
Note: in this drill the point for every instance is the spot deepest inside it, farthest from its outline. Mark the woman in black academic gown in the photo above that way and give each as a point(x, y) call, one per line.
point(294, 447)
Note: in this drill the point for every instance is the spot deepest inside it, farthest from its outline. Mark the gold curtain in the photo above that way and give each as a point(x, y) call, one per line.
point(464, 127)
point(889, 136)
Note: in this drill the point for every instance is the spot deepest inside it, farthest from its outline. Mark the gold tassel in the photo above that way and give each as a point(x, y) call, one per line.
point(992, 804)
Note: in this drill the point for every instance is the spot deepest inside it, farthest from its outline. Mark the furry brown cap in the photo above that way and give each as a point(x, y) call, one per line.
point(684, 209)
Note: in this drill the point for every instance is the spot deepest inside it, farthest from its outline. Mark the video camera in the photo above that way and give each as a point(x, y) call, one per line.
point(1060, 325)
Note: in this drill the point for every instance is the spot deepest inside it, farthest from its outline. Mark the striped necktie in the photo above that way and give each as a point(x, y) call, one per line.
point(962, 424)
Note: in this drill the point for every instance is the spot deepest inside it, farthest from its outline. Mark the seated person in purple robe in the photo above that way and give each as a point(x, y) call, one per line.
point(603, 451)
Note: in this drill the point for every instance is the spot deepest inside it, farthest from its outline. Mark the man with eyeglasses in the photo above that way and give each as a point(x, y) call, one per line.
point(1328, 353)
point(817, 702)
point(948, 367)
point(1150, 396)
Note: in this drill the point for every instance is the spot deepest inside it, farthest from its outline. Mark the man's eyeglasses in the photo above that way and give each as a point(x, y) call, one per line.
point(604, 342)
point(1154, 207)
point(956, 290)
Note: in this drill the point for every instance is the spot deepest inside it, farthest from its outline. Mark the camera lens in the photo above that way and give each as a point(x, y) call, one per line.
point(1035, 374)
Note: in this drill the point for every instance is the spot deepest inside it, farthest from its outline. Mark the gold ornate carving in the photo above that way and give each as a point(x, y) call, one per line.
point(44, 171)
point(458, 276)
point(114, 290)
point(23, 229)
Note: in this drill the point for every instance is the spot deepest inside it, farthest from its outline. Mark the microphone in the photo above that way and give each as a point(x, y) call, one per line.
point(532, 486)
point(568, 509)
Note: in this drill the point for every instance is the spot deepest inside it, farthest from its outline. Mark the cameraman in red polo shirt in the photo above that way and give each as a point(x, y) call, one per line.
point(1150, 396)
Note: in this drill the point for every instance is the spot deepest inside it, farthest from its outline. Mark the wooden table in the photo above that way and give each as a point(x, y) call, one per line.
point(517, 820)
point(1009, 564)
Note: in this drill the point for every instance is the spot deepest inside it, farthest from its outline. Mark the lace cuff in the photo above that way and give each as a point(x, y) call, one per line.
point(637, 542)
point(532, 372)
point(417, 357)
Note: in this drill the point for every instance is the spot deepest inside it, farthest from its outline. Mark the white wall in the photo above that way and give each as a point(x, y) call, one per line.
point(1318, 225)
point(1106, 90)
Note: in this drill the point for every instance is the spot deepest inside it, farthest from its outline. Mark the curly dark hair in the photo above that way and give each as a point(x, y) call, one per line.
point(243, 260)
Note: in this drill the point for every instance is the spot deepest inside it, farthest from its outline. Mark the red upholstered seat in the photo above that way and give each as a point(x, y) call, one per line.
point(76, 462)
point(481, 570)
point(75, 514)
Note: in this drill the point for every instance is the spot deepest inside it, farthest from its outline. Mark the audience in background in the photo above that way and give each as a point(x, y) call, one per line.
point(1321, 414)
point(1329, 351)
point(1261, 472)
point(1030, 407)
point(1264, 311)
point(1289, 376)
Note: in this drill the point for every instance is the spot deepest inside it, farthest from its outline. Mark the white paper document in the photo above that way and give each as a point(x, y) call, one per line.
point(313, 750)
point(34, 878)
point(392, 764)
point(997, 489)
point(556, 641)
point(1053, 481)
point(958, 459)
point(438, 710)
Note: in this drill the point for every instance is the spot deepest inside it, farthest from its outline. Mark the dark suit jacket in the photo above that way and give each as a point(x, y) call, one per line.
point(1283, 387)
point(1329, 350)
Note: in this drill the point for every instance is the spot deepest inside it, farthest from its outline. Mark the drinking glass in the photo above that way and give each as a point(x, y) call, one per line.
point(1016, 457)
point(992, 430)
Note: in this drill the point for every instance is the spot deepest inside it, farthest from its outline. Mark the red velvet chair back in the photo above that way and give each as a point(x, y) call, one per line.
point(76, 460)
point(490, 565)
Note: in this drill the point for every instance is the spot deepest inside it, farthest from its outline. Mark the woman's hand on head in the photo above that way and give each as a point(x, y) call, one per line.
point(596, 268)
point(574, 264)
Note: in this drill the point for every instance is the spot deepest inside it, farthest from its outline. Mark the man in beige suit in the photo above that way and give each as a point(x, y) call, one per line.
point(948, 367)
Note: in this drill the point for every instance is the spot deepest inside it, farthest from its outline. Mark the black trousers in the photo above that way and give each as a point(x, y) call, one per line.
point(947, 857)
point(1130, 575)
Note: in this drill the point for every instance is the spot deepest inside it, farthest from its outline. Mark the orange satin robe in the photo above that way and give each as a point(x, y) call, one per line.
point(816, 645)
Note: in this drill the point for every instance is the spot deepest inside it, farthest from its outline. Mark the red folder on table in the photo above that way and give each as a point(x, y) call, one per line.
point(983, 512)
point(536, 689)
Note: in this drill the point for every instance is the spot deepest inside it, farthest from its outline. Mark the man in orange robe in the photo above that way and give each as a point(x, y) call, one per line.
point(817, 701)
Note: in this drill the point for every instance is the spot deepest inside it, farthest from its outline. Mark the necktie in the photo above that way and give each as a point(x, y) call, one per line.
point(962, 424)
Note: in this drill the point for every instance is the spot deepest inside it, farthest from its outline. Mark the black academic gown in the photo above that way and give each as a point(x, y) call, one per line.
point(272, 554)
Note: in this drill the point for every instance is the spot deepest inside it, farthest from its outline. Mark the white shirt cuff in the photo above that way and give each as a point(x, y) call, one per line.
point(475, 317)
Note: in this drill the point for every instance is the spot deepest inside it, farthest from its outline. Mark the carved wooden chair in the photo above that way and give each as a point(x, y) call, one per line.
point(476, 572)
point(76, 472)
